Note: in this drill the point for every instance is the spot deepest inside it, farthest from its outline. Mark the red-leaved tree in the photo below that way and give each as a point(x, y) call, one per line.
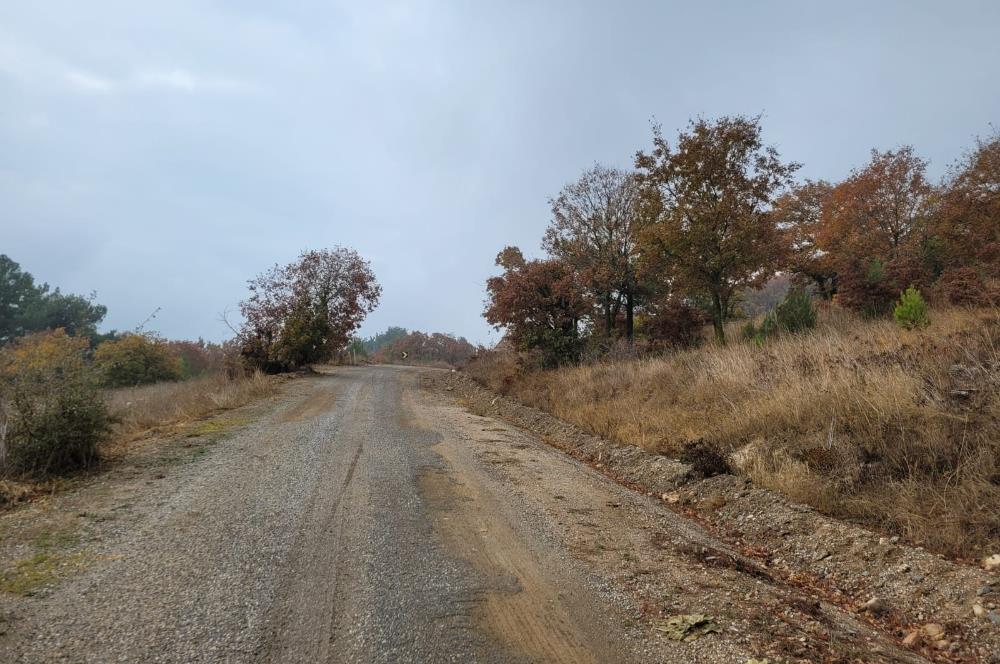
point(874, 228)
point(539, 304)
point(710, 194)
point(967, 219)
point(799, 214)
point(305, 311)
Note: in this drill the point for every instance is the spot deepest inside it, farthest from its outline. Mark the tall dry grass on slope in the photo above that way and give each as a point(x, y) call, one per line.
point(858, 418)
point(141, 409)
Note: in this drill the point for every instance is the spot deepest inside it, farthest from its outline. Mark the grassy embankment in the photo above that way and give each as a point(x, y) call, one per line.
point(140, 409)
point(860, 419)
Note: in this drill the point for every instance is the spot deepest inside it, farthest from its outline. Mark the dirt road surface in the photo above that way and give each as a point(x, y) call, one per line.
point(364, 517)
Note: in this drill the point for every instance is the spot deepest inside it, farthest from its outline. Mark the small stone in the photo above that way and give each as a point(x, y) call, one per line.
point(941, 644)
point(912, 640)
point(978, 610)
point(991, 563)
point(985, 590)
point(994, 617)
point(933, 631)
point(876, 606)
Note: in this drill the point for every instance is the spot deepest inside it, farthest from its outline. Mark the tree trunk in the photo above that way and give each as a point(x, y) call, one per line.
point(629, 315)
point(718, 318)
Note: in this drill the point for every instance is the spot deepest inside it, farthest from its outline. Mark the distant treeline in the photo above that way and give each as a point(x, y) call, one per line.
point(398, 345)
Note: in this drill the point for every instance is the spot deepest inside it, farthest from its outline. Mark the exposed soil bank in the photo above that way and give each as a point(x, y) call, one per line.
point(841, 563)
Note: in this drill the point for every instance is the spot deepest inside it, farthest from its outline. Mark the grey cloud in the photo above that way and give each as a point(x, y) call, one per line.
point(163, 153)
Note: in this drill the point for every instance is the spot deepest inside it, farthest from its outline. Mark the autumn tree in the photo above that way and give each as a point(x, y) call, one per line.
point(137, 359)
point(595, 229)
point(539, 303)
point(198, 357)
point(879, 209)
point(672, 323)
point(306, 311)
point(799, 214)
point(710, 196)
point(874, 228)
point(967, 219)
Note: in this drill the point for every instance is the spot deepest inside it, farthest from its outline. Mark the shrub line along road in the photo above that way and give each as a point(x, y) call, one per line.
point(363, 518)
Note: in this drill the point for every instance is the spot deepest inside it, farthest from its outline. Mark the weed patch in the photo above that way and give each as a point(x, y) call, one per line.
point(215, 427)
point(29, 575)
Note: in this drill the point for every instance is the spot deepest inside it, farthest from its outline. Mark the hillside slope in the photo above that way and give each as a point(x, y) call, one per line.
point(859, 419)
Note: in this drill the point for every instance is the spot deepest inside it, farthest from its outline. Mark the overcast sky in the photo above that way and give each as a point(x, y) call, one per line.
point(161, 154)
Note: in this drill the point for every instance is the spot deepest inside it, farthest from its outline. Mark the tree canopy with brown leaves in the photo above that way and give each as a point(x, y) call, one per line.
point(968, 215)
point(878, 210)
point(595, 228)
point(799, 214)
point(306, 311)
point(874, 226)
point(539, 304)
point(711, 195)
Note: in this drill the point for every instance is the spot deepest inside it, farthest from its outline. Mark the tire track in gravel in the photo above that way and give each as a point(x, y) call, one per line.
point(302, 620)
point(193, 575)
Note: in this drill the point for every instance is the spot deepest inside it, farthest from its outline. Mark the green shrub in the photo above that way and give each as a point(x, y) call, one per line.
point(52, 414)
point(758, 334)
point(795, 313)
point(911, 312)
point(750, 332)
point(136, 359)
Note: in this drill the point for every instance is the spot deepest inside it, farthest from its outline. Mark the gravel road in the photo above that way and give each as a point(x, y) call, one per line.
point(363, 518)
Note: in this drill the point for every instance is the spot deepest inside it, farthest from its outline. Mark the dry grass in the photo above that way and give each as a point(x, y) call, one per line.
point(153, 408)
point(141, 409)
point(860, 419)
